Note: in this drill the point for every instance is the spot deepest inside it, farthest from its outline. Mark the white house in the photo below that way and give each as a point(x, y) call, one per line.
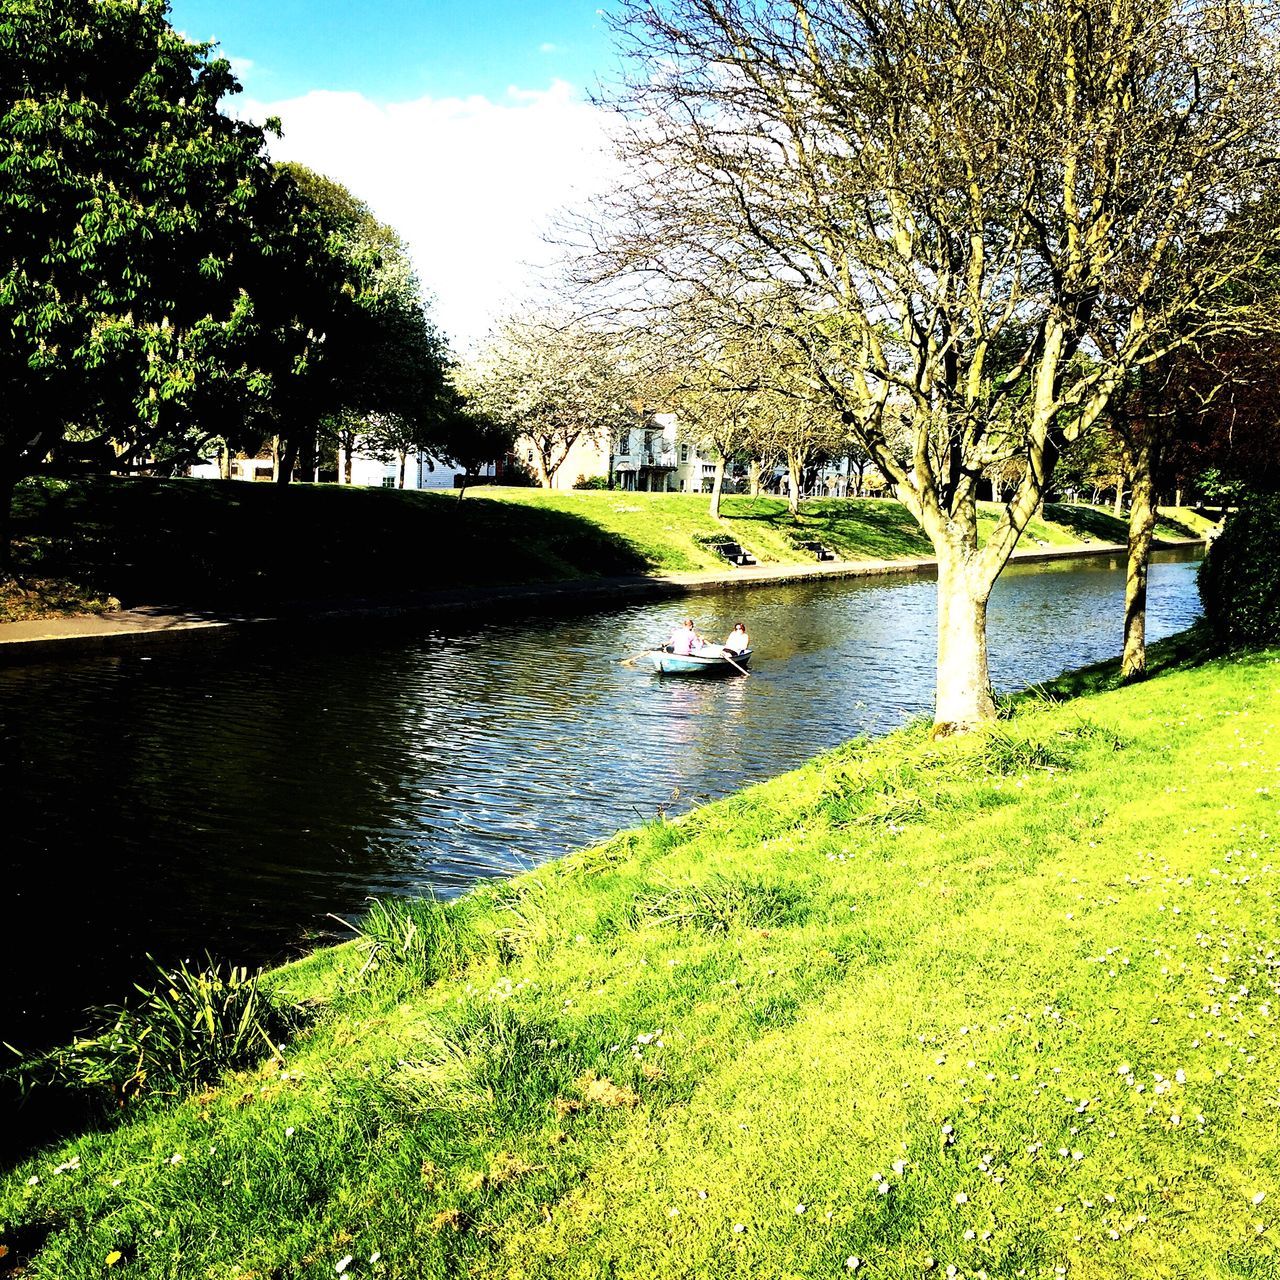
point(652, 457)
point(419, 471)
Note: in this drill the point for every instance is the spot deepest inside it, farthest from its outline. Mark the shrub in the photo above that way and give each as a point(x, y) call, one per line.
point(592, 482)
point(1240, 577)
point(188, 1029)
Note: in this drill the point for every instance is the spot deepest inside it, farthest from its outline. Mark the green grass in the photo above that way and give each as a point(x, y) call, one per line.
point(1005, 1004)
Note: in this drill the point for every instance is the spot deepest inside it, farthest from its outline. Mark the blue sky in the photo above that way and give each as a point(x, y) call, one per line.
point(467, 127)
point(396, 49)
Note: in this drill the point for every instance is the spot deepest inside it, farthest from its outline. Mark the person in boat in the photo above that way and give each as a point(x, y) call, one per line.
point(737, 641)
point(684, 639)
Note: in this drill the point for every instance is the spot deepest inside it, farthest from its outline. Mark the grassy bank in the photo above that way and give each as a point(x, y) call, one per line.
point(211, 544)
point(995, 1007)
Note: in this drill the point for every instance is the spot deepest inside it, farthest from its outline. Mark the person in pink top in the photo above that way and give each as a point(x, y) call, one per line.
point(684, 639)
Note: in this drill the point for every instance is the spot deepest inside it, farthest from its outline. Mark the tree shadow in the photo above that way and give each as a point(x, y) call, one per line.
point(859, 527)
point(230, 544)
point(1188, 649)
point(1087, 522)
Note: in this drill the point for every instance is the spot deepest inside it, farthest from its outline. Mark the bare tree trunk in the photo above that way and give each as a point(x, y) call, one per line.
point(717, 485)
point(1118, 509)
point(753, 477)
point(1142, 523)
point(224, 460)
point(964, 698)
point(793, 483)
point(8, 483)
point(404, 458)
point(284, 455)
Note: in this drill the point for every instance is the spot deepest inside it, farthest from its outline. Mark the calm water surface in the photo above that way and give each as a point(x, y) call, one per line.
point(228, 796)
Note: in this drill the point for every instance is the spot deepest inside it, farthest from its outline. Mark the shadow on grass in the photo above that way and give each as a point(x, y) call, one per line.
point(1088, 522)
point(224, 544)
point(1097, 522)
point(857, 527)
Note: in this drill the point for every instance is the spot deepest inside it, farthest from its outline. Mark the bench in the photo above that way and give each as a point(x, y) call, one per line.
point(821, 552)
point(734, 553)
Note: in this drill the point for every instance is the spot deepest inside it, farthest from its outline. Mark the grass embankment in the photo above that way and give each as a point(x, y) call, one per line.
point(997, 1007)
point(209, 544)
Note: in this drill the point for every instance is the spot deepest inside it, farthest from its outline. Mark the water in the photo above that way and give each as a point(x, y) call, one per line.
point(228, 795)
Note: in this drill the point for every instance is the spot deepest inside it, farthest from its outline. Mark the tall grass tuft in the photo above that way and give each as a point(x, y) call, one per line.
point(526, 907)
point(186, 1031)
point(1005, 751)
point(484, 1055)
point(718, 903)
point(418, 938)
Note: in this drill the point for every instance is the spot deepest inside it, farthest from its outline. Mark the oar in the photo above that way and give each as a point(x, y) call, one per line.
point(635, 657)
point(731, 662)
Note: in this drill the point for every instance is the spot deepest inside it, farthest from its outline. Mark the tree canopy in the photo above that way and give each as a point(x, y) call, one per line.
point(385, 362)
point(552, 380)
point(137, 223)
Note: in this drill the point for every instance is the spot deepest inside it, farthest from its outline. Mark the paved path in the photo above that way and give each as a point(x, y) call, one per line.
point(127, 628)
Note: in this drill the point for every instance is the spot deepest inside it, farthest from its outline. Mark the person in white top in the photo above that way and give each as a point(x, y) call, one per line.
point(737, 641)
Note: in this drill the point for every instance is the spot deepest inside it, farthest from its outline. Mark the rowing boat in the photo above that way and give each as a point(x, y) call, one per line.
point(714, 663)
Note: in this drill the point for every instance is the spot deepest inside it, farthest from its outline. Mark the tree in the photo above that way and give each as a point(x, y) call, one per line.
point(471, 439)
point(552, 381)
point(1175, 404)
point(935, 207)
point(714, 398)
point(383, 362)
point(135, 224)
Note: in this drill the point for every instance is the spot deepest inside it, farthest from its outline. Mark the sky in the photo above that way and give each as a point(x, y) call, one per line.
point(465, 126)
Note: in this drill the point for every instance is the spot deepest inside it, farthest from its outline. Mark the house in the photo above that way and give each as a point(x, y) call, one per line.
point(241, 469)
point(421, 471)
point(651, 457)
point(586, 459)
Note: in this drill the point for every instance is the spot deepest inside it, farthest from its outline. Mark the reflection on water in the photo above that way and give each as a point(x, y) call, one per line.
point(230, 796)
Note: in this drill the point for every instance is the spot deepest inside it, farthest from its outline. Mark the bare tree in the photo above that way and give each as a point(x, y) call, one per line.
point(712, 413)
point(553, 380)
point(936, 207)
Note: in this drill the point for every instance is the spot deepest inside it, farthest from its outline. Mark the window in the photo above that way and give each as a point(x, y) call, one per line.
point(684, 453)
point(388, 482)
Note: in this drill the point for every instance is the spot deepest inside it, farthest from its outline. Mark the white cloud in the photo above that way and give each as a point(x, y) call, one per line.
point(469, 183)
point(547, 47)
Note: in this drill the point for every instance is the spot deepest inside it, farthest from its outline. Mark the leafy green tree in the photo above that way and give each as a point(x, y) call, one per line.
point(384, 362)
point(471, 439)
point(136, 221)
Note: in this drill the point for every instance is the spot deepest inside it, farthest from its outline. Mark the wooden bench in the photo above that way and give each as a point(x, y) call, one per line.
point(734, 553)
point(821, 552)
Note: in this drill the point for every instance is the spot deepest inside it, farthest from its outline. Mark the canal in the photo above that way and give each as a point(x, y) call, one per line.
point(227, 796)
